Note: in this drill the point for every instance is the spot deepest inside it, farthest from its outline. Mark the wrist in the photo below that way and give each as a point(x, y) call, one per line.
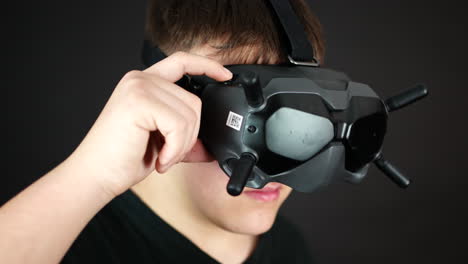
point(91, 177)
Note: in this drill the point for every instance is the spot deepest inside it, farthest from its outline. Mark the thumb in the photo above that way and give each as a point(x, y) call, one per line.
point(198, 153)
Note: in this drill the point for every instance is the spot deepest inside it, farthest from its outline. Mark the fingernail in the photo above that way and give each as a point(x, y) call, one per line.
point(228, 72)
point(163, 160)
point(164, 168)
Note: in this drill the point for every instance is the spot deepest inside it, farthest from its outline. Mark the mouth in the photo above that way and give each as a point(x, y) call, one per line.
point(269, 193)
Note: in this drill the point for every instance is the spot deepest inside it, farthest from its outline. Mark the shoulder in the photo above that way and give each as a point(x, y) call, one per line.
point(285, 226)
point(109, 237)
point(289, 243)
point(285, 230)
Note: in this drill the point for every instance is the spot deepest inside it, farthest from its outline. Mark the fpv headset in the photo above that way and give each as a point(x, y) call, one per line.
point(296, 124)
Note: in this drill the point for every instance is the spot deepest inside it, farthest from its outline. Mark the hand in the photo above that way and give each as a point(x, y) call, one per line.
point(148, 122)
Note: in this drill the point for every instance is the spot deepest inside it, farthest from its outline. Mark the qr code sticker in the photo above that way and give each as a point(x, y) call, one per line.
point(234, 121)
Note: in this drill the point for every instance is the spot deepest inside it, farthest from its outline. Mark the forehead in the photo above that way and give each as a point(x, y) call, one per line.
point(226, 55)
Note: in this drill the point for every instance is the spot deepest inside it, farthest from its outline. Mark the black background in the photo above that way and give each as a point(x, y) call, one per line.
point(65, 57)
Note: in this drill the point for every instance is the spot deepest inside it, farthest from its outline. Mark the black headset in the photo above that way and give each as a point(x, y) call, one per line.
point(294, 123)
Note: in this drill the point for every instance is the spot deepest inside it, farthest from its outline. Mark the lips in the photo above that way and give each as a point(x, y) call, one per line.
point(269, 193)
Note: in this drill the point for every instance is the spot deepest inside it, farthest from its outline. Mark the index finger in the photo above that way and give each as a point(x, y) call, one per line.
point(176, 65)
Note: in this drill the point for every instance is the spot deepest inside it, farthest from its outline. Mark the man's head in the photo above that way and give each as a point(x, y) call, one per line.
point(231, 32)
point(240, 32)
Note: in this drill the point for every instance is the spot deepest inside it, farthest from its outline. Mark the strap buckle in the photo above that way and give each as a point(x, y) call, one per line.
point(315, 62)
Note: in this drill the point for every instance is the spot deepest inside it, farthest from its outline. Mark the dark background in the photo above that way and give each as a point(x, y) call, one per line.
point(65, 57)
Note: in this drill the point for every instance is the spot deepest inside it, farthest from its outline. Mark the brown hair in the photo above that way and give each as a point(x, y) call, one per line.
point(246, 29)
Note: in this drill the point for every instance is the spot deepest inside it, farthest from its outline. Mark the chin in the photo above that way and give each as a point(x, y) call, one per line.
point(256, 209)
point(251, 223)
point(253, 212)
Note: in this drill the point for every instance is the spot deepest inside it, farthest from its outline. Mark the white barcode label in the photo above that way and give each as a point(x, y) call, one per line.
point(234, 120)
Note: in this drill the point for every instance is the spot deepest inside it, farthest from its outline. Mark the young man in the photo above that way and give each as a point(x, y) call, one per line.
point(83, 210)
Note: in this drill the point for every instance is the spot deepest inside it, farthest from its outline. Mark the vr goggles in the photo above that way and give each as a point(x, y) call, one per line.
point(297, 123)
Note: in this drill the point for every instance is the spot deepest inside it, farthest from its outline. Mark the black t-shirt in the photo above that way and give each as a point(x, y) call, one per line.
point(128, 231)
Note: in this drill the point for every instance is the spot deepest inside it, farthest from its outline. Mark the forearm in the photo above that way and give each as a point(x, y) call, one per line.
point(40, 223)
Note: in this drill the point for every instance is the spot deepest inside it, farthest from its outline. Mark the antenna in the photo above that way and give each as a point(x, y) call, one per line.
point(391, 171)
point(406, 98)
point(394, 103)
point(250, 82)
point(240, 174)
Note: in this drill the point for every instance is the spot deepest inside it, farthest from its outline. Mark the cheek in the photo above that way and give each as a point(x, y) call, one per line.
point(206, 187)
point(206, 183)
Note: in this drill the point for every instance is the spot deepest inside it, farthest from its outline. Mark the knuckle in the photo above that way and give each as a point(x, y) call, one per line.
point(131, 75)
point(136, 86)
point(193, 141)
point(190, 115)
point(193, 118)
point(134, 81)
point(196, 102)
point(182, 124)
point(136, 91)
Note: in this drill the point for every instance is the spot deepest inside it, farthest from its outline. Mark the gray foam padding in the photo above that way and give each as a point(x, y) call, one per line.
point(296, 134)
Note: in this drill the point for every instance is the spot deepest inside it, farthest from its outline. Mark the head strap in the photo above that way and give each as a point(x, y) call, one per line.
point(300, 50)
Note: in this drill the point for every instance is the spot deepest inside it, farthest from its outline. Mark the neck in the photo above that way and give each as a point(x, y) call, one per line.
point(169, 201)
